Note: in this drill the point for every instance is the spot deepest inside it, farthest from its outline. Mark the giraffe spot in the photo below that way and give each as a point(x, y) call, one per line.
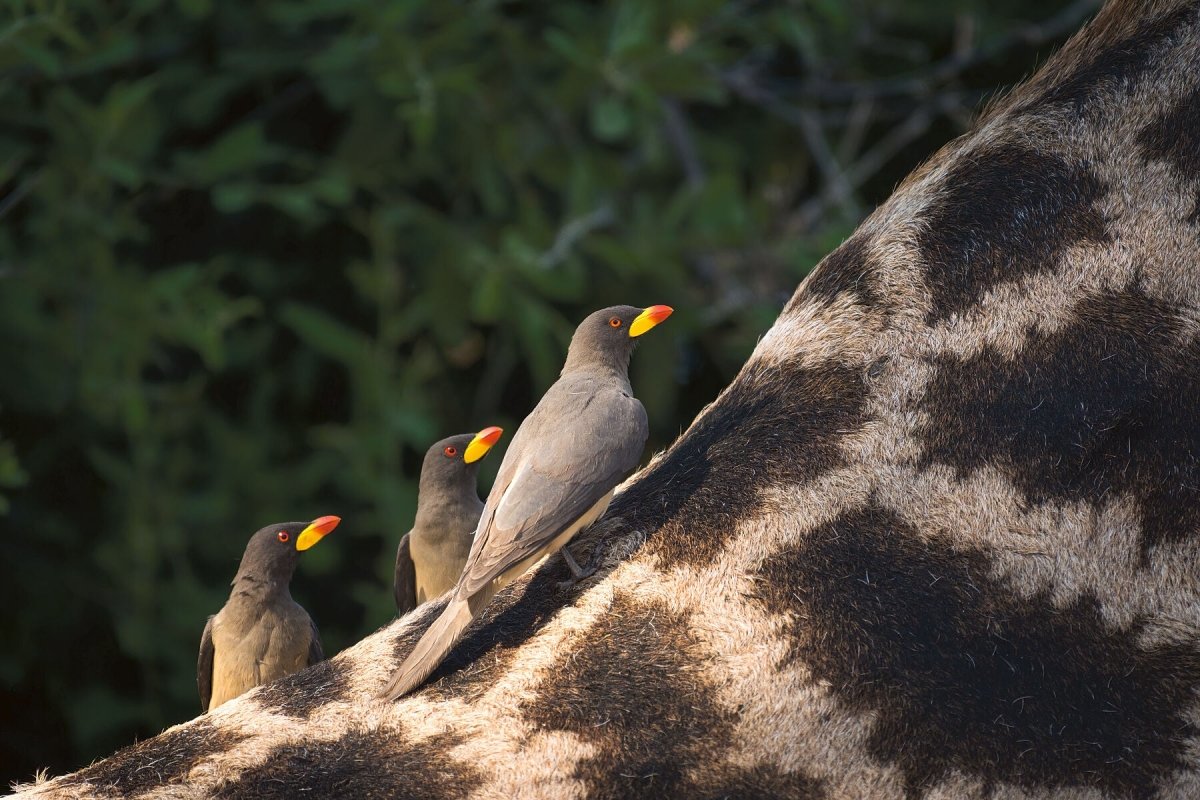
point(163, 760)
point(963, 676)
point(847, 270)
point(760, 781)
point(365, 765)
point(1118, 66)
point(301, 693)
point(632, 688)
point(491, 642)
point(776, 425)
point(1002, 215)
point(1174, 138)
point(422, 616)
point(1105, 406)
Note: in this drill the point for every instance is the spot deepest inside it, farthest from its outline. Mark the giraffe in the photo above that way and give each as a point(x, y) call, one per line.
point(939, 538)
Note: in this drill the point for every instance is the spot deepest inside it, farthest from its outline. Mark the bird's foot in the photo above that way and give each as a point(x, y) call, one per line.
point(577, 573)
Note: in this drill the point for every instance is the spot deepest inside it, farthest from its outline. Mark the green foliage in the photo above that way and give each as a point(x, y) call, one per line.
point(255, 257)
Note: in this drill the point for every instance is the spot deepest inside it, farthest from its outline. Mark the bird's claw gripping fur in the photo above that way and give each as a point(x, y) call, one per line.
point(578, 573)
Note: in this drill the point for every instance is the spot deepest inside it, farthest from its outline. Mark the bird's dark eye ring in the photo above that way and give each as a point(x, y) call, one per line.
point(615, 322)
point(283, 536)
point(451, 451)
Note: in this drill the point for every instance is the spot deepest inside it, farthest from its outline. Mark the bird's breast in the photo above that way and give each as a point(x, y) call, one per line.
point(254, 647)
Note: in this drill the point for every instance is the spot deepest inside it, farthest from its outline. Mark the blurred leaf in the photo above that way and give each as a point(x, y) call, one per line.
point(42, 57)
point(611, 120)
point(241, 150)
point(196, 9)
point(11, 474)
point(631, 27)
point(325, 334)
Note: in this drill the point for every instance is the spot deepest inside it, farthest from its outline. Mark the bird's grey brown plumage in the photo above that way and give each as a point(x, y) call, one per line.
point(261, 633)
point(583, 437)
point(431, 556)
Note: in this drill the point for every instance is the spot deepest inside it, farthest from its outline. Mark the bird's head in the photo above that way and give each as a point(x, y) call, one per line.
point(272, 552)
point(610, 334)
point(456, 458)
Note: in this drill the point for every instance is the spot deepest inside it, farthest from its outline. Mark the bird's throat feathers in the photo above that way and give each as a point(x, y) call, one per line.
point(449, 505)
point(253, 584)
point(586, 359)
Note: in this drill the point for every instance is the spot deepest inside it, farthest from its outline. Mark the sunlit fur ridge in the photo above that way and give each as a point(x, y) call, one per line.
point(940, 538)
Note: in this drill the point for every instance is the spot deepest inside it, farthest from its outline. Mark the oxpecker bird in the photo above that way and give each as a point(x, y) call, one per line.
point(583, 437)
point(261, 633)
point(431, 555)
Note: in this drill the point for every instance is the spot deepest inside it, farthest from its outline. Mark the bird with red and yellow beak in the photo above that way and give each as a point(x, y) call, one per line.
point(581, 440)
point(431, 555)
point(261, 633)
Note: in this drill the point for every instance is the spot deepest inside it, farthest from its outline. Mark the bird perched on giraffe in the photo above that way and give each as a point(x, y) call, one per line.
point(261, 633)
point(431, 556)
point(583, 437)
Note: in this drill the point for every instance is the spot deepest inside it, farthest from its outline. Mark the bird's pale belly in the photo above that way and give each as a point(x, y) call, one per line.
point(437, 568)
point(264, 651)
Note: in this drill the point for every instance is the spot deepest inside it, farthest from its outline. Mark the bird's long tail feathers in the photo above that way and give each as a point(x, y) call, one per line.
point(430, 650)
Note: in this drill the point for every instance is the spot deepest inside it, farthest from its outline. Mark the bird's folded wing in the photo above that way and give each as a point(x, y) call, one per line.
point(315, 652)
point(555, 482)
point(405, 581)
point(204, 665)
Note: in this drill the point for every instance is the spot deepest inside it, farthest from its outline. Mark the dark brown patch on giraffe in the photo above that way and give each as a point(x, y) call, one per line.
point(491, 641)
point(1175, 138)
point(164, 760)
point(964, 675)
point(776, 425)
point(760, 781)
point(1118, 66)
point(1103, 407)
point(847, 270)
point(301, 693)
point(514, 616)
point(422, 617)
point(1003, 214)
point(632, 688)
point(366, 765)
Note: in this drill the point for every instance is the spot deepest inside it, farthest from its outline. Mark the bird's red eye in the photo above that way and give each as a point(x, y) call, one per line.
point(451, 451)
point(615, 322)
point(283, 536)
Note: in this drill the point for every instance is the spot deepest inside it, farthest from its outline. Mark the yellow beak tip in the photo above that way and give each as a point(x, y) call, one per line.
point(649, 318)
point(316, 530)
point(482, 443)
